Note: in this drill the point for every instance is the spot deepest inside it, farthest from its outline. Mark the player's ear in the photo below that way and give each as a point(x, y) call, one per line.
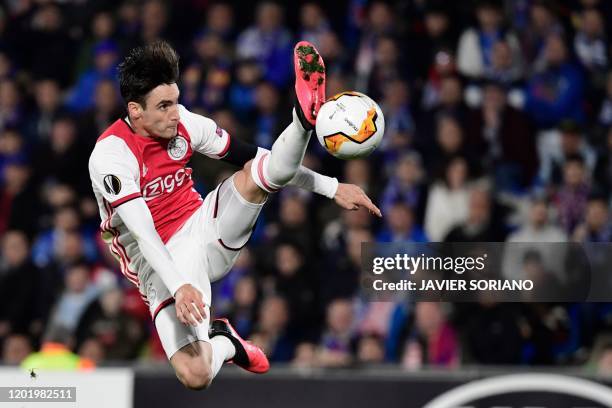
point(134, 110)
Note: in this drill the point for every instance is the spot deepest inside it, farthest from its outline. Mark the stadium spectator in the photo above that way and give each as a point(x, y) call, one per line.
point(536, 232)
point(478, 47)
point(406, 185)
point(314, 24)
point(447, 202)
point(483, 223)
point(380, 23)
point(296, 282)
point(566, 142)
point(596, 226)
point(359, 172)
point(119, 334)
point(154, 21)
point(19, 280)
point(48, 108)
point(543, 22)
point(56, 354)
point(92, 349)
point(78, 293)
point(244, 304)
point(18, 198)
point(432, 340)
point(590, 42)
point(11, 109)
point(370, 350)
point(12, 148)
point(102, 28)
point(399, 122)
point(305, 356)
point(58, 157)
point(15, 349)
point(82, 97)
point(602, 176)
point(493, 333)
point(269, 43)
point(46, 37)
point(438, 34)
point(269, 119)
point(605, 113)
point(338, 339)
point(105, 110)
point(52, 242)
point(272, 332)
point(555, 93)
point(505, 137)
point(401, 225)
point(571, 199)
point(346, 265)
point(220, 21)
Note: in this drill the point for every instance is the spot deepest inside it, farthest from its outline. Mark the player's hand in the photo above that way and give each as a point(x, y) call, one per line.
point(352, 197)
point(189, 305)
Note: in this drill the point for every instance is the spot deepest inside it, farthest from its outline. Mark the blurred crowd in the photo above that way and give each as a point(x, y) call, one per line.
point(498, 118)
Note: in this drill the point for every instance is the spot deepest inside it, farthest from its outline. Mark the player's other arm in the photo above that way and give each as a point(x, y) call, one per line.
point(114, 173)
point(211, 140)
point(137, 218)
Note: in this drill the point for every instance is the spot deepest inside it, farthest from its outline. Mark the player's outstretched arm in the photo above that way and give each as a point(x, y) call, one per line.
point(348, 196)
point(188, 300)
point(353, 197)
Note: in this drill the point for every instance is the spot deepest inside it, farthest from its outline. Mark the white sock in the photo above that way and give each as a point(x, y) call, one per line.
point(276, 169)
point(222, 350)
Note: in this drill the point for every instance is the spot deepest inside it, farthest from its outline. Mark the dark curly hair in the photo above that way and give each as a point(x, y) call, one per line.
point(145, 68)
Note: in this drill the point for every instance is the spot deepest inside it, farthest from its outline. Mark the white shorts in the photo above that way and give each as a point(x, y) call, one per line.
point(204, 250)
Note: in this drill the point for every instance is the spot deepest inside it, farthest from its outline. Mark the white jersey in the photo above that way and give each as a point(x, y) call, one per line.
point(125, 166)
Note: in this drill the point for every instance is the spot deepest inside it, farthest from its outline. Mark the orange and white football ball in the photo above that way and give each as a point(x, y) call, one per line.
point(350, 125)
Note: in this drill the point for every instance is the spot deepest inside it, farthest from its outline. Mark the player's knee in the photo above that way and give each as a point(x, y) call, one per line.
point(246, 186)
point(196, 376)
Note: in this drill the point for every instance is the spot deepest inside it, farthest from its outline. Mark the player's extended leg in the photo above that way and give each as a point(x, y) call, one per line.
point(234, 208)
point(269, 172)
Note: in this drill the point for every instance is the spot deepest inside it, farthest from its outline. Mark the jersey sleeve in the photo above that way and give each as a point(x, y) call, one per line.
point(207, 137)
point(114, 171)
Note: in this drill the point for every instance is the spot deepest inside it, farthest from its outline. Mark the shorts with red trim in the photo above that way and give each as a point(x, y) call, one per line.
point(204, 249)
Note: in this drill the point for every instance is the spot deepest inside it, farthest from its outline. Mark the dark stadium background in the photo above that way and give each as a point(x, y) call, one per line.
point(500, 137)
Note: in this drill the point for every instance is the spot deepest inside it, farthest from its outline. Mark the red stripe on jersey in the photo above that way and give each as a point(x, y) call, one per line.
point(163, 304)
point(125, 199)
point(260, 173)
point(117, 247)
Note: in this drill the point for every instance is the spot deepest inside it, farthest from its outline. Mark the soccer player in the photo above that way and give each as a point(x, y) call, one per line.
point(169, 241)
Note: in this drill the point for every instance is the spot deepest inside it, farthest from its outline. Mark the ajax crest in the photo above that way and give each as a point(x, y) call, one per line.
point(177, 148)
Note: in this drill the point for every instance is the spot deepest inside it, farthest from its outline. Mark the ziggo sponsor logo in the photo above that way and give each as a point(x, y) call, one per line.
point(165, 184)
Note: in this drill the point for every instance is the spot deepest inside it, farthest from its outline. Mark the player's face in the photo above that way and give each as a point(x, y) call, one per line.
point(161, 116)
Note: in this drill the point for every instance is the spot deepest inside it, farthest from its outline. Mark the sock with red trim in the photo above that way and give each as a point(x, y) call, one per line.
point(275, 169)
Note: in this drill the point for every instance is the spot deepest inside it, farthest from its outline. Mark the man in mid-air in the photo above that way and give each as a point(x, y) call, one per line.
point(169, 241)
